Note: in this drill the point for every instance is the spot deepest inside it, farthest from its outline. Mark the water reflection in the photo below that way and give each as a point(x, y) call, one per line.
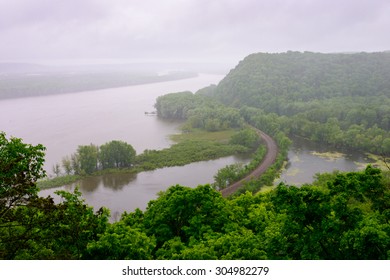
point(126, 192)
point(117, 181)
point(114, 182)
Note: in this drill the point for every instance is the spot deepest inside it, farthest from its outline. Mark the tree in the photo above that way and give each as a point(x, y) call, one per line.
point(67, 165)
point(121, 242)
point(57, 169)
point(46, 230)
point(75, 163)
point(88, 158)
point(184, 212)
point(74, 225)
point(246, 137)
point(33, 227)
point(21, 165)
point(227, 175)
point(386, 147)
point(116, 154)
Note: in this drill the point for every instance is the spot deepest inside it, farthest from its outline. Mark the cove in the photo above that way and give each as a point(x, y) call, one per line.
point(306, 158)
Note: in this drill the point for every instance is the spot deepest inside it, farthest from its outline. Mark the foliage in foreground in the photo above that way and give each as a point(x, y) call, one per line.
point(339, 216)
point(346, 218)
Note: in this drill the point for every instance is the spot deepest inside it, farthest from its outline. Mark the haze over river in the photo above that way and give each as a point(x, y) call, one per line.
point(62, 122)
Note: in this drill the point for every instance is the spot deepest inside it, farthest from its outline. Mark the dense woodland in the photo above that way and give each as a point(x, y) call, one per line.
point(340, 100)
point(199, 111)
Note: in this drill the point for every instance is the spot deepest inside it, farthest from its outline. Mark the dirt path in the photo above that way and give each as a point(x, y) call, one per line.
point(269, 159)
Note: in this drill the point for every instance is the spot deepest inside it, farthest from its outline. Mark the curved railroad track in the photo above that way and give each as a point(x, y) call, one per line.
point(269, 159)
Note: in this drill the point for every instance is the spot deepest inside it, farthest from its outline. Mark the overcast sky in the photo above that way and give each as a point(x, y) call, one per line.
point(187, 30)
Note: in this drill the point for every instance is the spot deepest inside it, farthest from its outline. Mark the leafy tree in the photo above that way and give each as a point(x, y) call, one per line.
point(176, 105)
point(199, 111)
point(76, 225)
point(184, 212)
point(75, 163)
point(45, 230)
point(87, 158)
point(116, 154)
point(227, 175)
point(21, 165)
point(386, 146)
point(57, 169)
point(121, 242)
point(246, 137)
point(67, 165)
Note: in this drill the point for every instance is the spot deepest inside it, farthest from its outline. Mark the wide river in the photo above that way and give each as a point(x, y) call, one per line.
point(62, 122)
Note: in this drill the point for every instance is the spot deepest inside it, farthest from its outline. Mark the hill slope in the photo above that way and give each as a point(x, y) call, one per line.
point(346, 95)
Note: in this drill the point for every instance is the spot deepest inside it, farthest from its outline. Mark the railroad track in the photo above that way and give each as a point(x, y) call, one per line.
point(269, 159)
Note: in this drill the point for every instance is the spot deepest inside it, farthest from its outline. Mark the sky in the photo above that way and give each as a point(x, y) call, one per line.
point(187, 30)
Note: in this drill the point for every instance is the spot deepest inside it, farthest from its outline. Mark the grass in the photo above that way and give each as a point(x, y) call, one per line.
point(202, 135)
point(58, 181)
point(265, 189)
point(329, 155)
point(193, 146)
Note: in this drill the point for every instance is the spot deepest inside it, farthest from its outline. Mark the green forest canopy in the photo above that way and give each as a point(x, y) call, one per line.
point(341, 100)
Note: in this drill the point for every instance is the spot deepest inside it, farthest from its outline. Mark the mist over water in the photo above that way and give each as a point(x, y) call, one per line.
point(62, 122)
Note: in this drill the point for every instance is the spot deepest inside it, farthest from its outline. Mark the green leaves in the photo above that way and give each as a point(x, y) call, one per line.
point(184, 212)
point(199, 111)
point(176, 105)
point(185, 152)
point(116, 154)
point(121, 242)
point(246, 137)
point(335, 99)
point(21, 165)
point(345, 217)
point(91, 158)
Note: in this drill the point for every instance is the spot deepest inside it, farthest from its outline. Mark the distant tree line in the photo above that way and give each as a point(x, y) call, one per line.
point(16, 85)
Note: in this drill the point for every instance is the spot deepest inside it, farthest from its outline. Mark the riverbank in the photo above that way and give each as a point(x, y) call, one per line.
point(194, 146)
point(21, 85)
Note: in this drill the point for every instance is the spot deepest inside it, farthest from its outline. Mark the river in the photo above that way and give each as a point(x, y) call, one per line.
point(62, 122)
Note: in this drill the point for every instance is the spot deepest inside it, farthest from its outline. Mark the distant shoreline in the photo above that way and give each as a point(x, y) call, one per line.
point(14, 86)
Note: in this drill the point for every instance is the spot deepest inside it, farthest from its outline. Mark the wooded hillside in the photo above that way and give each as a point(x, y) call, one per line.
point(339, 99)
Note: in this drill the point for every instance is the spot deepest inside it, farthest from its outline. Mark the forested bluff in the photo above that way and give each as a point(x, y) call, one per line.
point(338, 100)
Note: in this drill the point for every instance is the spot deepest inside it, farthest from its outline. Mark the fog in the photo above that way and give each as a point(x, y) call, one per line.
point(184, 31)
